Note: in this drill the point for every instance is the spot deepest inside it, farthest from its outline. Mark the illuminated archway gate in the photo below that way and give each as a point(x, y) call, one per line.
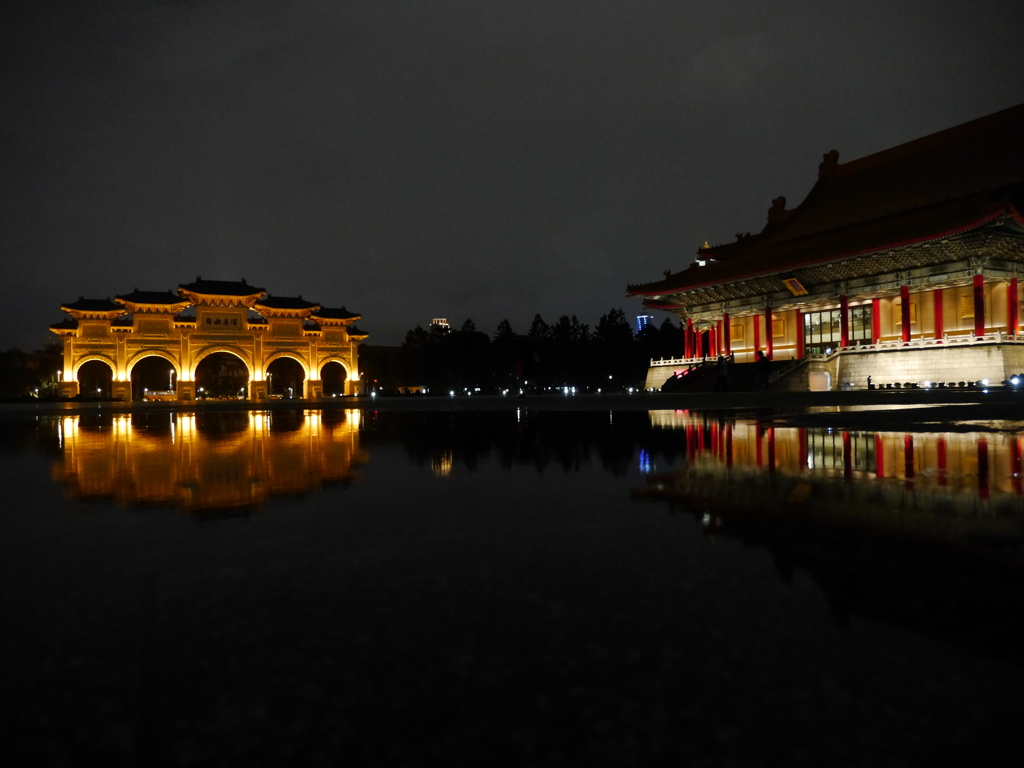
point(229, 316)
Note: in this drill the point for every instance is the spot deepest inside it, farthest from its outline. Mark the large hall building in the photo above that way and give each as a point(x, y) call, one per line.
point(903, 266)
point(232, 333)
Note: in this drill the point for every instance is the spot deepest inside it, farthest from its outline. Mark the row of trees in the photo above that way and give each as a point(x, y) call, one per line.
point(30, 374)
point(566, 353)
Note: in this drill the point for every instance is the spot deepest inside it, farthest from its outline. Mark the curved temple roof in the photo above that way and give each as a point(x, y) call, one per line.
point(206, 292)
point(933, 187)
point(285, 306)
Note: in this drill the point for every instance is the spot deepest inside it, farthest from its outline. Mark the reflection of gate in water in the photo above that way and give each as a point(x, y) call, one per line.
point(215, 461)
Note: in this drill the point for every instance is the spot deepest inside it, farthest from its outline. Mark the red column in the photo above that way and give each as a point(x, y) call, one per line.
point(768, 332)
point(800, 351)
point(943, 478)
point(983, 468)
point(905, 312)
point(1011, 307)
point(712, 342)
point(979, 305)
point(908, 460)
point(688, 339)
point(939, 328)
point(1015, 454)
point(844, 321)
point(847, 456)
point(726, 334)
point(876, 322)
point(1015, 462)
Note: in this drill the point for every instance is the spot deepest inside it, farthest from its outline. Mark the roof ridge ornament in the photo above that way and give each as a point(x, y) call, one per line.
point(778, 210)
point(829, 163)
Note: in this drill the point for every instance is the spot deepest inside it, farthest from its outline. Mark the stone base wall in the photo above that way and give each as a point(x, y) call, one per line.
point(994, 362)
point(659, 374)
point(850, 369)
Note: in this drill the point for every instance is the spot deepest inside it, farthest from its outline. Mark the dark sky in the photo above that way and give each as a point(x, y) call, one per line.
point(457, 158)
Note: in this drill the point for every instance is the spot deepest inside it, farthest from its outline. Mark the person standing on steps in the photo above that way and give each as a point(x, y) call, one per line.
point(722, 374)
point(764, 370)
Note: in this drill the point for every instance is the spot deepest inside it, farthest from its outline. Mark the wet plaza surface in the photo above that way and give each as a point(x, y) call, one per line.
point(524, 587)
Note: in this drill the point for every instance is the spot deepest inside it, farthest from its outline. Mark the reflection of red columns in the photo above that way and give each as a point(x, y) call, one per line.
point(876, 321)
point(879, 457)
point(908, 460)
point(757, 334)
point(726, 335)
point(847, 456)
point(939, 328)
point(802, 439)
point(768, 344)
point(844, 321)
point(905, 312)
point(983, 468)
point(728, 445)
point(943, 479)
point(688, 339)
point(1012, 307)
point(800, 351)
point(979, 305)
point(714, 439)
point(757, 440)
point(1016, 463)
point(771, 449)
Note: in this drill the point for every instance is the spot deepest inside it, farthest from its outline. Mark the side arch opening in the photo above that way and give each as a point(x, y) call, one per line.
point(334, 375)
point(95, 379)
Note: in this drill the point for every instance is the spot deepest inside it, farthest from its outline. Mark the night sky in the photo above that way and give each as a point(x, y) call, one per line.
point(458, 158)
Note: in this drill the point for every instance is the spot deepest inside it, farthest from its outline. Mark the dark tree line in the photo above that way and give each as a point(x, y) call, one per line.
point(30, 374)
point(567, 353)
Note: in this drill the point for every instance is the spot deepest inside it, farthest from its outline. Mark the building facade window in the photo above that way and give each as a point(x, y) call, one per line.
point(823, 330)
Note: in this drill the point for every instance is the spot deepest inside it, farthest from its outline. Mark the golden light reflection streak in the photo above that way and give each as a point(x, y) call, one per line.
point(202, 467)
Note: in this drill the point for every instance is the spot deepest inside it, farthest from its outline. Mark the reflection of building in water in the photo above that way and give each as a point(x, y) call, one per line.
point(899, 474)
point(207, 461)
point(922, 530)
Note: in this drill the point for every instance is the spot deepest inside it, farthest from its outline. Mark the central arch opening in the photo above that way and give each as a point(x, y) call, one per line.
point(95, 380)
point(220, 376)
point(285, 377)
point(153, 376)
point(333, 376)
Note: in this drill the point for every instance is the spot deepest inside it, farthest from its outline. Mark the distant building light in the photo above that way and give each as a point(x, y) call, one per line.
point(643, 321)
